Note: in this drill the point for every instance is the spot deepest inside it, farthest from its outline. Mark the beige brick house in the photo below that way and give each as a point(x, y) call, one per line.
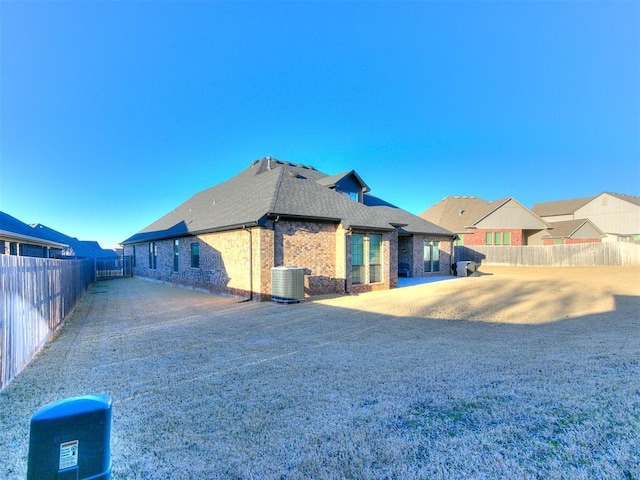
point(227, 238)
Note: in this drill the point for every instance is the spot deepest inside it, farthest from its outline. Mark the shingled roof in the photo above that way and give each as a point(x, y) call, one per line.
point(13, 228)
point(270, 188)
point(627, 198)
point(561, 207)
point(569, 207)
point(567, 228)
point(457, 213)
point(80, 248)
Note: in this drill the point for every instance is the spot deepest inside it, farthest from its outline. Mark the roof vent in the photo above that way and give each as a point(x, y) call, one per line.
point(293, 174)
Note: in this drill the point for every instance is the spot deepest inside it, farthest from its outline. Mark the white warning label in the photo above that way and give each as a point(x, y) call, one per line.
point(68, 454)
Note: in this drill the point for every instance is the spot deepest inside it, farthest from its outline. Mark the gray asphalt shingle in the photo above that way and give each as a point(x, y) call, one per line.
point(270, 188)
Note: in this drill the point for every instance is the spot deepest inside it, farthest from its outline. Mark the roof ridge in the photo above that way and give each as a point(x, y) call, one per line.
point(274, 202)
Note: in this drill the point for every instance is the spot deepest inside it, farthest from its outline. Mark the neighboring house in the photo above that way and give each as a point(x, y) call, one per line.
point(228, 238)
point(571, 232)
point(617, 215)
point(479, 222)
point(75, 248)
point(18, 238)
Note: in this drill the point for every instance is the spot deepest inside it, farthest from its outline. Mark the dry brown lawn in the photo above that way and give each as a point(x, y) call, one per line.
point(513, 295)
point(517, 373)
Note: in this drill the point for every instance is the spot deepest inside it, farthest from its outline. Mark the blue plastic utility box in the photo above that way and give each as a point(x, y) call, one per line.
point(71, 440)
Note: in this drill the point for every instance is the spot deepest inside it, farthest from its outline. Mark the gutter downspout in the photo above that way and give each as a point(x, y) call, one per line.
point(453, 256)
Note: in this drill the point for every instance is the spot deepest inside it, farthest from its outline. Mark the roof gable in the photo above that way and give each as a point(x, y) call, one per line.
point(345, 182)
point(509, 213)
point(625, 198)
point(582, 228)
point(459, 213)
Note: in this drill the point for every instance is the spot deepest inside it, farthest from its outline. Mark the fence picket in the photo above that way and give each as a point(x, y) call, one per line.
point(37, 295)
point(577, 255)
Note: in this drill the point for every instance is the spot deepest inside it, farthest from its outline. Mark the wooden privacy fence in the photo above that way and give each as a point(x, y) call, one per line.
point(116, 267)
point(577, 255)
point(37, 294)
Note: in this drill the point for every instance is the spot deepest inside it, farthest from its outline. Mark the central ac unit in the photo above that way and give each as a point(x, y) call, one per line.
point(287, 284)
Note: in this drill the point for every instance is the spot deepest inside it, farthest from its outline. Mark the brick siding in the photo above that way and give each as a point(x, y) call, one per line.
point(478, 237)
point(239, 262)
point(311, 246)
point(411, 252)
point(570, 241)
point(224, 262)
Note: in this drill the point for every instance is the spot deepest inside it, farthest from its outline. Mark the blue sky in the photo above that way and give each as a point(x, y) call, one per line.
point(114, 113)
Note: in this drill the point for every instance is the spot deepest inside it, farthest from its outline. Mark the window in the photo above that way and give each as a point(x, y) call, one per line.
point(176, 254)
point(195, 255)
point(431, 256)
point(366, 258)
point(357, 258)
point(133, 259)
point(355, 196)
point(497, 238)
point(488, 238)
point(153, 255)
point(375, 258)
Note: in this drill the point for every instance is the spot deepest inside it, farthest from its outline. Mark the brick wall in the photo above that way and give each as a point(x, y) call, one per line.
point(311, 246)
point(263, 248)
point(573, 241)
point(239, 262)
point(570, 241)
point(417, 263)
point(411, 252)
point(224, 267)
point(478, 237)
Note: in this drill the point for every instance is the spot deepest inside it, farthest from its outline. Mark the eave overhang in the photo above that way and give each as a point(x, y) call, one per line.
point(31, 240)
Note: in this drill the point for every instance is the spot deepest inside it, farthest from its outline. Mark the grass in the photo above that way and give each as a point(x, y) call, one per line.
point(205, 387)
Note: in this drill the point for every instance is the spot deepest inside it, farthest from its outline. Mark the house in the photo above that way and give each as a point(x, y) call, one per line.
point(617, 215)
point(75, 248)
point(479, 222)
point(18, 238)
point(228, 238)
point(571, 232)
